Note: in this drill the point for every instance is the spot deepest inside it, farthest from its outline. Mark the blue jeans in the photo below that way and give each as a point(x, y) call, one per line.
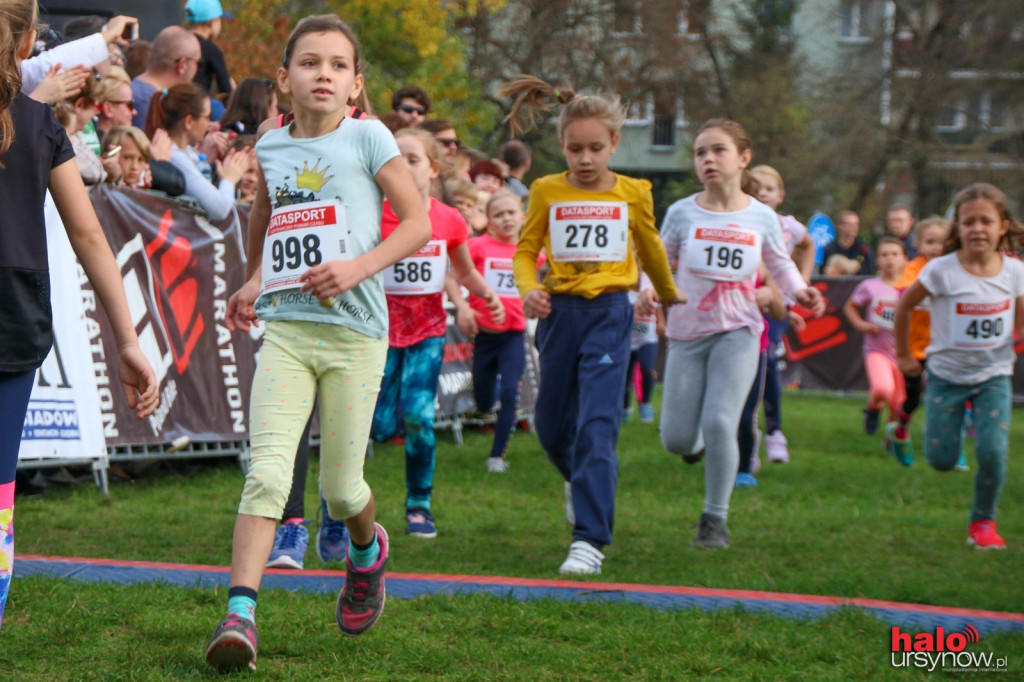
point(943, 420)
point(584, 348)
point(406, 402)
point(493, 355)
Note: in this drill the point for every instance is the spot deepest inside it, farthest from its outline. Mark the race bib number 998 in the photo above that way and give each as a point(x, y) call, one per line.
point(589, 231)
point(300, 236)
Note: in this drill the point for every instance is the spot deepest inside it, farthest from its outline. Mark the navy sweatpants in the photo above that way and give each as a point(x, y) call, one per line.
point(584, 348)
point(497, 355)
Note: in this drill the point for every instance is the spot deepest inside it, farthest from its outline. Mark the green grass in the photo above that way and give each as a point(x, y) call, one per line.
point(841, 519)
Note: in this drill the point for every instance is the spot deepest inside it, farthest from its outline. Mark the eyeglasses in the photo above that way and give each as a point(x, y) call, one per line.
point(187, 59)
point(422, 111)
point(129, 102)
point(448, 141)
point(116, 59)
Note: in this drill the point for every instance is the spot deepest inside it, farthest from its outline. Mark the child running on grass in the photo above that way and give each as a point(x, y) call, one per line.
point(771, 191)
point(643, 356)
point(931, 236)
point(415, 297)
point(587, 221)
point(719, 236)
point(315, 227)
point(498, 348)
point(977, 302)
point(36, 156)
point(877, 297)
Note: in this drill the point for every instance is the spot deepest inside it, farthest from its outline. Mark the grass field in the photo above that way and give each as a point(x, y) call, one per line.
point(840, 520)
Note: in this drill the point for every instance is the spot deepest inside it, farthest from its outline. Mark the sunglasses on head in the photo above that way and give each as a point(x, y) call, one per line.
point(422, 111)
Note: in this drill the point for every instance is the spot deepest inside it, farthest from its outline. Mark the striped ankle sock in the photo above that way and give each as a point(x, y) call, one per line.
point(242, 602)
point(364, 556)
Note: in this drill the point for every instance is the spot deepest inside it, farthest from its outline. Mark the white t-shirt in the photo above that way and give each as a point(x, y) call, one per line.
point(718, 271)
point(972, 319)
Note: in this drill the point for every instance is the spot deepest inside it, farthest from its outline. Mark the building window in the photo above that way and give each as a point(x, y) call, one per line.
point(855, 20)
point(663, 134)
point(692, 18)
point(952, 118)
point(627, 18)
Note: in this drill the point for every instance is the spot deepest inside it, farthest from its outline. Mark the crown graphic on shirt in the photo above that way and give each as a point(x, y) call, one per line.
point(312, 178)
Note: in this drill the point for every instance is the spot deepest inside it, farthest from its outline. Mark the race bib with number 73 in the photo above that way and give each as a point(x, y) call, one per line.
point(730, 254)
point(300, 236)
point(420, 273)
point(498, 273)
point(589, 231)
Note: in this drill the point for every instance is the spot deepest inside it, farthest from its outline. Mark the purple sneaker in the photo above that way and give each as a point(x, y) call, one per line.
point(362, 596)
point(233, 645)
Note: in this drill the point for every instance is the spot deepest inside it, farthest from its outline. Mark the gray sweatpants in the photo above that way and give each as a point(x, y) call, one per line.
point(707, 380)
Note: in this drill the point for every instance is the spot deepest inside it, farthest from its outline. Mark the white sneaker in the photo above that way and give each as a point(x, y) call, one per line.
point(583, 559)
point(497, 465)
point(776, 447)
point(570, 511)
point(755, 459)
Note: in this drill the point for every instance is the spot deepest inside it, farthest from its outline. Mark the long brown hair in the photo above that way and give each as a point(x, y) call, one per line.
point(169, 107)
point(533, 95)
point(17, 18)
point(1012, 241)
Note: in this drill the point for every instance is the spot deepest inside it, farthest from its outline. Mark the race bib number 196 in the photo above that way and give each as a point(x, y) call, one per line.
point(589, 231)
point(300, 236)
point(730, 253)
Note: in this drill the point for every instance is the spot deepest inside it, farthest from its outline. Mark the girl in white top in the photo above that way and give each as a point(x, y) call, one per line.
point(719, 237)
point(977, 301)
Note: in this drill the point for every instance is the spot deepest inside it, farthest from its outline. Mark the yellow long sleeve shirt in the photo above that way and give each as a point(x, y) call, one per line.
point(590, 278)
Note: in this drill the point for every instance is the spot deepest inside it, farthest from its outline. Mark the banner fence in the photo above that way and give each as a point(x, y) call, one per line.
point(179, 270)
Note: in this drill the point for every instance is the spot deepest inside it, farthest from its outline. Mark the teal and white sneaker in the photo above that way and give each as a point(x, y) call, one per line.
point(901, 450)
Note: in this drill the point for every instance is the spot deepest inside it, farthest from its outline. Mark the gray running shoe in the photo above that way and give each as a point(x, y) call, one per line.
point(712, 533)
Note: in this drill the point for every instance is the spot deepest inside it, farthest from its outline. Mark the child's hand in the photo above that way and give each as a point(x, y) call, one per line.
point(496, 307)
point(763, 296)
point(138, 380)
point(797, 322)
point(868, 328)
point(240, 306)
point(332, 278)
point(465, 320)
point(909, 365)
point(234, 165)
point(811, 299)
point(647, 303)
point(537, 303)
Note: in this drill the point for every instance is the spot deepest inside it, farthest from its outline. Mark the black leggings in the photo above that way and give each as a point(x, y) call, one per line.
point(295, 507)
point(914, 389)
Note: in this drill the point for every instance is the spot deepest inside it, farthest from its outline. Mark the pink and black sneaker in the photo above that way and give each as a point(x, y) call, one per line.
point(362, 596)
point(233, 645)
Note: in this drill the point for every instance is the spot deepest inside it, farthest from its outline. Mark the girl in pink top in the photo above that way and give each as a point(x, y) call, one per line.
point(878, 298)
point(498, 348)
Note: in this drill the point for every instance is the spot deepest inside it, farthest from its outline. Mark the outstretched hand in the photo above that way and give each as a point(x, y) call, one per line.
point(138, 381)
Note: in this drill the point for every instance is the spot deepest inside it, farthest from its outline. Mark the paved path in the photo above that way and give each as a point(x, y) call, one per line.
point(921, 617)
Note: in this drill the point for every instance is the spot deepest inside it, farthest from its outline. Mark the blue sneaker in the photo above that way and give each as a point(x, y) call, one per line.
point(961, 462)
point(290, 544)
point(646, 413)
point(419, 523)
point(332, 538)
point(745, 480)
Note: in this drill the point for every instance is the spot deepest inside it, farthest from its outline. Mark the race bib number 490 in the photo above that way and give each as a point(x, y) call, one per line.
point(300, 236)
point(421, 273)
point(589, 231)
point(730, 253)
point(981, 325)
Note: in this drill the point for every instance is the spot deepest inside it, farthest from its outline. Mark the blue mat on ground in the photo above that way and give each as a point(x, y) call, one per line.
point(409, 585)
